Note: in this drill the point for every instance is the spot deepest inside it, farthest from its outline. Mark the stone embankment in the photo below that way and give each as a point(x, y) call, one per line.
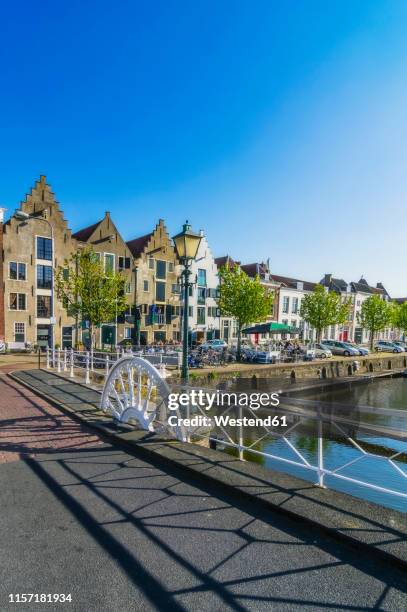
point(335, 368)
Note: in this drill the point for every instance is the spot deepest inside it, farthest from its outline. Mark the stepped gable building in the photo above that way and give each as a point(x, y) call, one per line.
point(105, 240)
point(156, 285)
point(29, 258)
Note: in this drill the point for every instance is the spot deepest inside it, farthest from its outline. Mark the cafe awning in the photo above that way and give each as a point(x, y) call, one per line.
point(270, 328)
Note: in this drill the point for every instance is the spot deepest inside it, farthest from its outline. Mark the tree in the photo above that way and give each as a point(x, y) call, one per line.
point(88, 291)
point(243, 298)
point(399, 316)
point(322, 308)
point(375, 314)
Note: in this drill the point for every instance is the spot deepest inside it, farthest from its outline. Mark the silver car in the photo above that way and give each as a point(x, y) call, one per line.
point(341, 348)
point(388, 347)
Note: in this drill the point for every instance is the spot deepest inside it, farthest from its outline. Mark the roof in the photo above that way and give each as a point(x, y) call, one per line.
point(292, 282)
point(364, 287)
point(137, 245)
point(335, 284)
point(254, 269)
point(400, 300)
point(84, 234)
point(226, 260)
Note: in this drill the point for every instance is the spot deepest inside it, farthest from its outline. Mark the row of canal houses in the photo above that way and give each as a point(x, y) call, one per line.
point(30, 254)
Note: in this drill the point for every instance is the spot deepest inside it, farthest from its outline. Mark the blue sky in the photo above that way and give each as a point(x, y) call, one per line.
point(277, 127)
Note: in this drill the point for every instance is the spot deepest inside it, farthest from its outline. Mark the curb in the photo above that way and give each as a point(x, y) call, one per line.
point(144, 451)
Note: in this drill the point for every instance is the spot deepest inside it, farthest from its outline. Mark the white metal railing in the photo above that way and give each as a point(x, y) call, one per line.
point(340, 418)
point(316, 412)
point(85, 363)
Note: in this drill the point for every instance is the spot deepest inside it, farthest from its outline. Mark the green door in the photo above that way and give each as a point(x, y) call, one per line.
point(109, 334)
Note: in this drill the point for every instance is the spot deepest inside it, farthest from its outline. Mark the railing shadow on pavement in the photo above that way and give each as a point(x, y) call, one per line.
point(233, 592)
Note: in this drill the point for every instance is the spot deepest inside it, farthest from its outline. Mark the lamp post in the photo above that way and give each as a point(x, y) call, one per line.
point(186, 246)
point(23, 216)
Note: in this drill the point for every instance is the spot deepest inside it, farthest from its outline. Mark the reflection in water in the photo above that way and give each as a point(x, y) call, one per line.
point(390, 394)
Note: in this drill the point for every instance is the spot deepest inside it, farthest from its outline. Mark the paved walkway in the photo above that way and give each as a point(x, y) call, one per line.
point(121, 533)
point(30, 425)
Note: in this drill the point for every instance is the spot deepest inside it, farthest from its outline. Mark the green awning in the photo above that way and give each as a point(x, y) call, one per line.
point(271, 328)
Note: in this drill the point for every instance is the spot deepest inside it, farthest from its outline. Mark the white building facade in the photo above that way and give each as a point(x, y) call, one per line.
point(204, 316)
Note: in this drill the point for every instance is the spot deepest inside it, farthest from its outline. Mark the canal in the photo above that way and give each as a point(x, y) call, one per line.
point(379, 404)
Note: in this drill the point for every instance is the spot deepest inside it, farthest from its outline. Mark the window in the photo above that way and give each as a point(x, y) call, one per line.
point(201, 315)
point(127, 332)
point(190, 311)
point(44, 306)
point(124, 263)
point(97, 256)
point(175, 288)
point(293, 323)
point(19, 332)
point(17, 271)
point(160, 292)
point(44, 277)
point(286, 304)
point(170, 266)
point(294, 306)
point(151, 263)
point(109, 262)
point(145, 285)
point(161, 269)
point(201, 295)
point(44, 248)
point(201, 277)
point(17, 301)
point(128, 288)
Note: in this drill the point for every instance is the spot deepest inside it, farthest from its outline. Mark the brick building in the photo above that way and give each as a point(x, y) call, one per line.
point(156, 273)
point(106, 241)
point(28, 257)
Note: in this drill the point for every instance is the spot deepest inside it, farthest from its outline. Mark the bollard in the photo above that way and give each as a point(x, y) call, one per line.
point(48, 366)
point(53, 358)
point(241, 433)
point(320, 451)
point(107, 366)
point(87, 377)
point(58, 360)
point(65, 362)
point(91, 359)
point(72, 360)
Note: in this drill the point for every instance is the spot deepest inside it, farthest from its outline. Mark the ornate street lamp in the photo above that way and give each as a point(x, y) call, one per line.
point(186, 246)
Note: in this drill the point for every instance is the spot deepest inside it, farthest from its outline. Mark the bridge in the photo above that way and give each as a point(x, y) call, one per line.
point(143, 520)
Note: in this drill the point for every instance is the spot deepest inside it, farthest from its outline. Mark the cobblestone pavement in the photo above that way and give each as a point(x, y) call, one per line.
point(30, 425)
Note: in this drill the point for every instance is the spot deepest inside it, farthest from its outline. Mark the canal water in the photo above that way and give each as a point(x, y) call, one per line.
point(388, 395)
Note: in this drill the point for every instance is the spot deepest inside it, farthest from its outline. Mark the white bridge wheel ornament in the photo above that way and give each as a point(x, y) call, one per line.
point(135, 391)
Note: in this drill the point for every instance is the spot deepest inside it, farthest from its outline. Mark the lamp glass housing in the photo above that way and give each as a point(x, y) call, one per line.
point(187, 243)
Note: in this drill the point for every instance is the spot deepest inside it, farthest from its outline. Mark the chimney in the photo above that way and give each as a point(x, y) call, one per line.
point(327, 279)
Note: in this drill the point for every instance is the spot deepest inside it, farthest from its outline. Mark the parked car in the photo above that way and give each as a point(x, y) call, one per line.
point(362, 349)
point(216, 345)
point(401, 344)
point(322, 351)
point(387, 347)
point(341, 348)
